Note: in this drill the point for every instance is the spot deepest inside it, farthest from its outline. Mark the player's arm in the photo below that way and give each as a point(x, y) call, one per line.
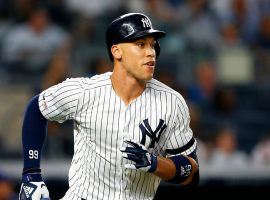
point(34, 133)
point(57, 103)
point(178, 169)
point(181, 149)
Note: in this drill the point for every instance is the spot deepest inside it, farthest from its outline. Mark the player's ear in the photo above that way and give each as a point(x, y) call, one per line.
point(116, 51)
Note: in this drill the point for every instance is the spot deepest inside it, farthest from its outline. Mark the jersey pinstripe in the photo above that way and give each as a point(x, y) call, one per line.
point(158, 118)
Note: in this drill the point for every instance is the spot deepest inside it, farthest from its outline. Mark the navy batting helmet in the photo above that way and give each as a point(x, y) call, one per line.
point(129, 27)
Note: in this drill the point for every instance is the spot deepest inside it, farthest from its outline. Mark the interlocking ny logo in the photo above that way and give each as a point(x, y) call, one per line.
point(146, 22)
point(154, 135)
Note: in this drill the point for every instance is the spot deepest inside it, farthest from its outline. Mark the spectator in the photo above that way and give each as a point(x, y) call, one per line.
point(194, 15)
point(205, 149)
point(226, 152)
point(59, 13)
point(225, 102)
point(235, 62)
point(260, 154)
point(77, 55)
point(199, 33)
point(244, 13)
point(202, 91)
point(223, 109)
point(28, 47)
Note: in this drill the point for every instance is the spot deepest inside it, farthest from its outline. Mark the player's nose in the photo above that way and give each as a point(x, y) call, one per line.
point(150, 51)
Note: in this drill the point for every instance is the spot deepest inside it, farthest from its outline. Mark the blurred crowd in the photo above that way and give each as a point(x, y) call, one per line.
point(216, 54)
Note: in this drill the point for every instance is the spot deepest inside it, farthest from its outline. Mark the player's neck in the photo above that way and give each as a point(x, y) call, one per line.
point(127, 88)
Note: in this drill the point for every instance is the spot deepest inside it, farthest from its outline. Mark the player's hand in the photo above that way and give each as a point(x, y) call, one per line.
point(33, 188)
point(142, 159)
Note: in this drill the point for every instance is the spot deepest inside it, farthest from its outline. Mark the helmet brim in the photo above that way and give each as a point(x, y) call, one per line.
point(155, 33)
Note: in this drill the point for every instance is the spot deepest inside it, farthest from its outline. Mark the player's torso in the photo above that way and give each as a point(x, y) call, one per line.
point(103, 122)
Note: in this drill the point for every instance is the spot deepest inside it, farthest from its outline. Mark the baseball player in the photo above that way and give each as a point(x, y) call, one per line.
point(130, 130)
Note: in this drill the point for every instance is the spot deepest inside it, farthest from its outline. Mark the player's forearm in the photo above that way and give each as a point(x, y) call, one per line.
point(166, 170)
point(34, 132)
point(195, 169)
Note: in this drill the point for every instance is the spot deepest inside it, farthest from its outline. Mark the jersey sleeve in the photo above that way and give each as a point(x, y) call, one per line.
point(181, 140)
point(59, 102)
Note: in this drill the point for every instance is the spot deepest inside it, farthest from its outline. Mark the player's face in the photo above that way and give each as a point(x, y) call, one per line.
point(139, 58)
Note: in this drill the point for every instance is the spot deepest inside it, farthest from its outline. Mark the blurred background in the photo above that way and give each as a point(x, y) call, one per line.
point(216, 54)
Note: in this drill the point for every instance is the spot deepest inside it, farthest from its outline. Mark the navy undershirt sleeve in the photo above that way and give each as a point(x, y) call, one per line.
point(34, 132)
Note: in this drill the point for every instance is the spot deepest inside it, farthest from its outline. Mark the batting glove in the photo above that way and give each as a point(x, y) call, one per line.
point(142, 159)
point(33, 188)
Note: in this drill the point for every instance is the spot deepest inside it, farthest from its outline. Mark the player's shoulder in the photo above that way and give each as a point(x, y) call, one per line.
point(98, 80)
point(159, 86)
point(91, 81)
point(176, 97)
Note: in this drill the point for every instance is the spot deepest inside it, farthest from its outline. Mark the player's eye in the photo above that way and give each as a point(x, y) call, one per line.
point(140, 44)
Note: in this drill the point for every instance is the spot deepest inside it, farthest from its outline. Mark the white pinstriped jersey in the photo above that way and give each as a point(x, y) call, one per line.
point(158, 118)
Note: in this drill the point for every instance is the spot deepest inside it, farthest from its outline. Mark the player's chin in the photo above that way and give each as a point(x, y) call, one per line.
point(148, 76)
point(145, 77)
